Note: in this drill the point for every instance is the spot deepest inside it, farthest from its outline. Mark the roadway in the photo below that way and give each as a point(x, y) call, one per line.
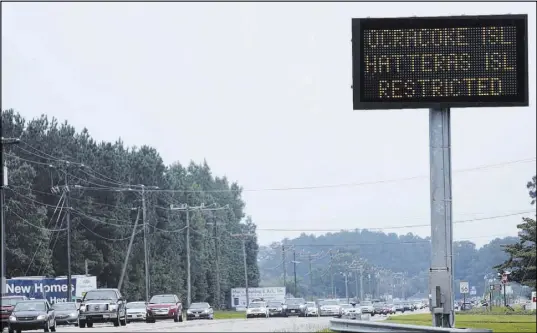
point(290, 324)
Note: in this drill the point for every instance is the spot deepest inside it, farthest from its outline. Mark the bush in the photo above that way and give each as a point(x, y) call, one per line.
point(500, 311)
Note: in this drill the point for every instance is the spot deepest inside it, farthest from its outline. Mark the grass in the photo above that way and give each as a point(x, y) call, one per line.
point(229, 314)
point(496, 322)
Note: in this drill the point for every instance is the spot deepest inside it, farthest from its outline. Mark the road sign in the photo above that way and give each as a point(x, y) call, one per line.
point(464, 287)
point(498, 287)
point(440, 62)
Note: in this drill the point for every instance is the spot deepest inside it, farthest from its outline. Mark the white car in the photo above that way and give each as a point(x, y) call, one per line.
point(136, 311)
point(329, 307)
point(311, 309)
point(367, 307)
point(257, 309)
point(350, 311)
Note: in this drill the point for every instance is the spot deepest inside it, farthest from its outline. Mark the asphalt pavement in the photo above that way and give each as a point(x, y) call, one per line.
point(290, 324)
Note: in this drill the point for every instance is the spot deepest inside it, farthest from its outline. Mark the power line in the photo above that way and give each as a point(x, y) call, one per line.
point(394, 227)
point(314, 187)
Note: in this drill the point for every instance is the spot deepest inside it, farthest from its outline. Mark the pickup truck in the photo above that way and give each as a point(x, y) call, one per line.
point(103, 305)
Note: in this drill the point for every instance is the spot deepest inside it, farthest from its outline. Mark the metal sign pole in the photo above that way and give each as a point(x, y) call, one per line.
point(441, 271)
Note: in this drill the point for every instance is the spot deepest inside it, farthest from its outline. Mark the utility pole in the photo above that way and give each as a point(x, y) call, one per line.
point(187, 209)
point(284, 261)
point(311, 277)
point(146, 252)
point(361, 283)
point(294, 272)
point(68, 204)
point(86, 270)
point(332, 275)
point(243, 240)
point(188, 268)
point(346, 275)
point(217, 261)
point(120, 284)
point(3, 142)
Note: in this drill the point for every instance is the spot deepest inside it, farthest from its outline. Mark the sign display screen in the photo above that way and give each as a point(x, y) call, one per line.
point(440, 62)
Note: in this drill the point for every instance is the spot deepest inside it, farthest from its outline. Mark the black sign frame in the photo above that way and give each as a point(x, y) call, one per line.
point(519, 20)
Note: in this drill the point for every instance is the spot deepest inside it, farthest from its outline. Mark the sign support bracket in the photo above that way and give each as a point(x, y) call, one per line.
point(441, 272)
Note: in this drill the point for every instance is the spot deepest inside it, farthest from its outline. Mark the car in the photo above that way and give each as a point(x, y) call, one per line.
point(201, 310)
point(257, 309)
point(102, 305)
point(389, 309)
point(378, 308)
point(407, 307)
point(165, 306)
point(136, 311)
point(367, 307)
point(6, 307)
point(295, 307)
point(312, 310)
point(399, 307)
point(329, 307)
point(33, 314)
point(276, 309)
point(66, 313)
point(350, 311)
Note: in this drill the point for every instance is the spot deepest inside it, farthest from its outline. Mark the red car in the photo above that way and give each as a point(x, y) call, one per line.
point(164, 307)
point(7, 305)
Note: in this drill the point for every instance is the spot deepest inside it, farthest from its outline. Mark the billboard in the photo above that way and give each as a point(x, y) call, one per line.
point(53, 289)
point(440, 62)
point(238, 295)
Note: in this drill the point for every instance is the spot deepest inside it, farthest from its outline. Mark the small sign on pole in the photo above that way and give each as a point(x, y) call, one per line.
point(464, 287)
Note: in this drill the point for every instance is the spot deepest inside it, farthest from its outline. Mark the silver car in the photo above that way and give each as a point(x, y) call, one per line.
point(136, 311)
point(329, 307)
point(66, 313)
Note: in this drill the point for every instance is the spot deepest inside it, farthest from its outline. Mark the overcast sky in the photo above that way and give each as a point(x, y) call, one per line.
point(262, 91)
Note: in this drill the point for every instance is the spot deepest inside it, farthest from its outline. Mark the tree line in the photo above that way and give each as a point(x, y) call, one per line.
point(56, 168)
point(323, 260)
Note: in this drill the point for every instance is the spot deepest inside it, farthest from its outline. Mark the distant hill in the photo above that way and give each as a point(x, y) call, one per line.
point(408, 254)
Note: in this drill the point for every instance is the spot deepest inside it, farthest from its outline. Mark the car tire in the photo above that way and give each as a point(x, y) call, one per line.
point(10, 330)
point(176, 317)
point(90, 324)
point(53, 328)
point(19, 331)
point(81, 324)
point(47, 327)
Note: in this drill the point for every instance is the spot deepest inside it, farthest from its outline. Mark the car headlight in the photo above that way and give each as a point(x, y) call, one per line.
point(112, 307)
point(12, 318)
point(82, 308)
point(188, 311)
point(284, 307)
point(41, 317)
point(249, 311)
point(72, 314)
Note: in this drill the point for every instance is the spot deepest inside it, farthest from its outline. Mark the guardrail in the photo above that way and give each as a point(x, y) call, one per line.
point(346, 325)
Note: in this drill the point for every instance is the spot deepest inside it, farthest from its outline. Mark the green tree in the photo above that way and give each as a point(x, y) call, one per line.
point(521, 262)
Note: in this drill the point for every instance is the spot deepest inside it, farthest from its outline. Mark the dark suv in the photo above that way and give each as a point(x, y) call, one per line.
point(295, 307)
point(103, 305)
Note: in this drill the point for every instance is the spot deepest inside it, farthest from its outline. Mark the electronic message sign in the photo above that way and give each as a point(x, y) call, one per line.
point(440, 62)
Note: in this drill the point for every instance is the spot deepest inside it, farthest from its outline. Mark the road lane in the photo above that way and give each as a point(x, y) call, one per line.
point(290, 324)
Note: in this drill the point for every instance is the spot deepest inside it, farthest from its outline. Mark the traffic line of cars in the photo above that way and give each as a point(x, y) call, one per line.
point(104, 305)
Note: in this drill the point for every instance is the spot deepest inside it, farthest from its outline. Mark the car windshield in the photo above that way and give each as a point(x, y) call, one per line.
point(295, 301)
point(257, 305)
point(366, 303)
point(160, 299)
point(64, 306)
point(100, 295)
point(310, 304)
point(199, 306)
point(273, 304)
point(330, 302)
point(7, 301)
point(30, 306)
point(135, 305)
point(346, 306)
